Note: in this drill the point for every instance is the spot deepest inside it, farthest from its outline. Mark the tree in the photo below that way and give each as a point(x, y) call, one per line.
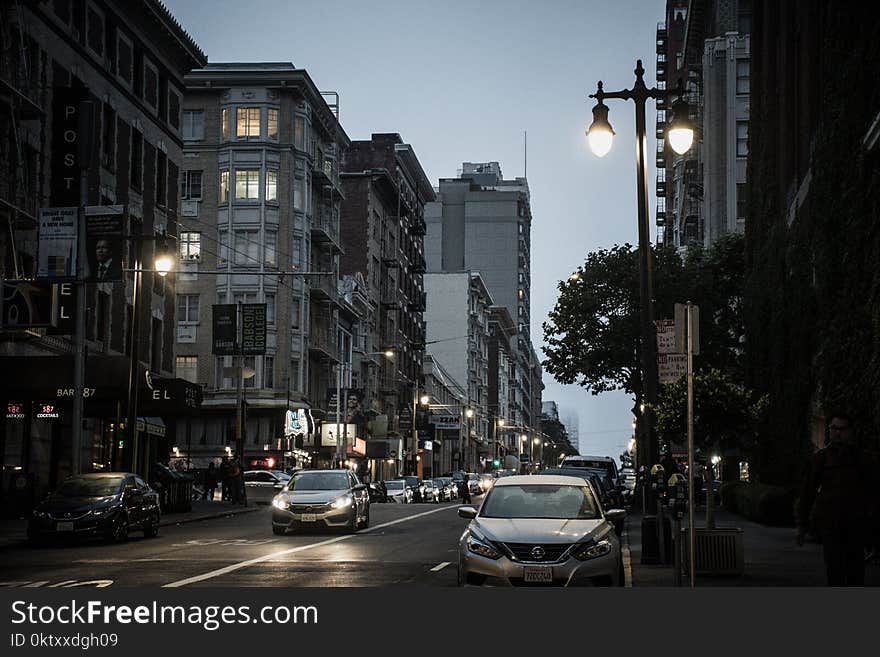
point(592, 335)
point(726, 416)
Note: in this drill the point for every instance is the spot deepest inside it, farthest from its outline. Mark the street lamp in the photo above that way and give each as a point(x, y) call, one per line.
point(600, 135)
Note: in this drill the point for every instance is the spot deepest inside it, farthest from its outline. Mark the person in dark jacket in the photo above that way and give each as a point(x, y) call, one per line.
point(838, 503)
point(210, 482)
point(465, 491)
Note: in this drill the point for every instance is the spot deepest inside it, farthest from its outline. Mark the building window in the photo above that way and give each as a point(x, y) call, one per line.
point(270, 247)
point(742, 200)
point(191, 185)
point(194, 125)
point(174, 109)
point(296, 252)
point(294, 314)
point(151, 85)
point(246, 248)
point(248, 123)
point(268, 371)
point(224, 186)
point(187, 308)
point(299, 133)
point(247, 184)
point(299, 184)
point(293, 374)
point(108, 138)
point(190, 245)
point(161, 179)
point(223, 256)
point(124, 58)
point(223, 373)
point(742, 138)
point(187, 368)
point(272, 124)
point(270, 308)
point(742, 76)
point(271, 185)
point(96, 32)
point(224, 123)
point(251, 363)
point(137, 159)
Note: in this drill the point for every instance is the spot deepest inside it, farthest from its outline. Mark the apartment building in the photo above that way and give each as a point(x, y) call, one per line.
point(128, 60)
point(383, 228)
point(260, 199)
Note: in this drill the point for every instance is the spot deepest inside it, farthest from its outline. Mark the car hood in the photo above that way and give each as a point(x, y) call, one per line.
point(314, 496)
point(73, 505)
point(534, 530)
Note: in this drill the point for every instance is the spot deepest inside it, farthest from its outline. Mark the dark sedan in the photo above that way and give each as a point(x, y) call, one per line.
point(105, 505)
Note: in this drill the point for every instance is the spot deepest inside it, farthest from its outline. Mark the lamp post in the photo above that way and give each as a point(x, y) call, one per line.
point(680, 134)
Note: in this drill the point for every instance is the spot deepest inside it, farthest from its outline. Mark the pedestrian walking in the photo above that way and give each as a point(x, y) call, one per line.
point(465, 491)
point(235, 494)
point(210, 482)
point(838, 502)
point(225, 489)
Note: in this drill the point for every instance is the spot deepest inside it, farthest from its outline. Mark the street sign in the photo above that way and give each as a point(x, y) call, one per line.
point(665, 336)
point(253, 329)
point(56, 252)
point(681, 328)
point(671, 367)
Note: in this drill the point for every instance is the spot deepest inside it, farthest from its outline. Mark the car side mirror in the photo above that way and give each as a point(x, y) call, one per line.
point(467, 512)
point(615, 515)
point(360, 487)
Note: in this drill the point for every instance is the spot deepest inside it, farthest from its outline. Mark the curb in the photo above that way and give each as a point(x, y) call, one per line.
point(220, 514)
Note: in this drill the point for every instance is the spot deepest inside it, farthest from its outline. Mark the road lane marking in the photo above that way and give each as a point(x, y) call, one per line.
point(439, 567)
point(281, 553)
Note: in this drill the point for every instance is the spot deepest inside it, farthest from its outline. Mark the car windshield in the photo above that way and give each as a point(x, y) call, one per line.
point(319, 481)
point(547, 501)
point(83, 487)
point(394, 485)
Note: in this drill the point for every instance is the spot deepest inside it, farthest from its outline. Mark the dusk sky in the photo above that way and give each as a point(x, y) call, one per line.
point(462, 81)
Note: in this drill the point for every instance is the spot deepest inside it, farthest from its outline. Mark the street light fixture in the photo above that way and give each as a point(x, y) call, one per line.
point(600, 135)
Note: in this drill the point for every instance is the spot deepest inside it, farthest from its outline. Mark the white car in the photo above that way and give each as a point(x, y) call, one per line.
point(398, 491)
point(547, 530)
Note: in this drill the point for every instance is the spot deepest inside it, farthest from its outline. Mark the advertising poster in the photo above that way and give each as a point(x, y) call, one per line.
point(56, 253)
point(224, 329)
point(253, 329)
point(104, 243)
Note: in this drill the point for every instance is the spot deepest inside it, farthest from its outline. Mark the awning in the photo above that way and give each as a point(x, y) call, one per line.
point(151, 425)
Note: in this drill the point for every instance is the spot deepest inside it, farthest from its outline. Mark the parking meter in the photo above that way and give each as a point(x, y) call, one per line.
point(658, 480)
point(678, 493)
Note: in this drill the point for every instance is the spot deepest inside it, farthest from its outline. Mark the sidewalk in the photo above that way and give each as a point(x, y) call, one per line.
point(772, 558)
point(13, 531)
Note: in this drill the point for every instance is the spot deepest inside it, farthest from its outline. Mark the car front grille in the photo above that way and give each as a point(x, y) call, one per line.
point(523, 552)
point(309, 508)
point(69, 516)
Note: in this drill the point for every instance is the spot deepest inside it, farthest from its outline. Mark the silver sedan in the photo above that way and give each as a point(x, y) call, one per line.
point(328, 498)
point(540, 531)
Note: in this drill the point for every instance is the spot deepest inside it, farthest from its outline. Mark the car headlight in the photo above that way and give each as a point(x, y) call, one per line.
point(593, 550)
point(281, 502)
point(103, 511)
point(40, 514)
point(342, 502)
point(482, 548)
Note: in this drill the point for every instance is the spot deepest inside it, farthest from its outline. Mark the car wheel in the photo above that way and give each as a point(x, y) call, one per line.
point(151, 530)
point(278, 531)
point(352, 526)
point(119, 530)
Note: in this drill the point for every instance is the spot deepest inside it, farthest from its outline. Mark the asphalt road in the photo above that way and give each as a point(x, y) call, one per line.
point(405, 544)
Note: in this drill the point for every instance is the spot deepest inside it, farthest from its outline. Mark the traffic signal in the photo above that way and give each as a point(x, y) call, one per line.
point(121, 443)
point(496, 463)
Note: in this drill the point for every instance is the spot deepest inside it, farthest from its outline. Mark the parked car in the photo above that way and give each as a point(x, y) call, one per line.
point(416, 486)
point(398, 491)
point(433, 491)
point(598, 486)
point(107, 505)
point(540, 530)
point(332, 498)
point(450, 488)
point(474, 483)
point(605, 463)
point(265, 479)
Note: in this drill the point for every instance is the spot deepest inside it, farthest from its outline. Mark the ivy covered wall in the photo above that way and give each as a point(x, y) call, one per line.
point(812, 303)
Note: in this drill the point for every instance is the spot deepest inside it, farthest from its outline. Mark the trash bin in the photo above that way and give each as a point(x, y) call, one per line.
point(175, 489)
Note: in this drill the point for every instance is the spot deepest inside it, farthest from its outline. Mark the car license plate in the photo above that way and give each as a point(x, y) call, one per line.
point(537, 574)
point(64, 526)
point(308, 517)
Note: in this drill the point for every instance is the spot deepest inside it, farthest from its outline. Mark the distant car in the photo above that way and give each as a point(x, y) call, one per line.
point(416, 486)
point(486, 482)
point(450, 488)
point(540, 530)
point(265, 478)
point(398, 491)
point(473, 481)
point(107, 505)
point(605, 463)
point(332, 498)
point(433, 491)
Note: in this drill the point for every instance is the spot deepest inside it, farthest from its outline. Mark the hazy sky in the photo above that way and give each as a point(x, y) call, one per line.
point(462, 81)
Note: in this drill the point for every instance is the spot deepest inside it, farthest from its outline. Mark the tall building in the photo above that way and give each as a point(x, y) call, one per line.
point(260, 225)
point(383, 228)
point(502, 383)
point(482, 222)
point(449, 422)
point(703, 194)
point(572, 424)
point(457, 320)
point(52, 57)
